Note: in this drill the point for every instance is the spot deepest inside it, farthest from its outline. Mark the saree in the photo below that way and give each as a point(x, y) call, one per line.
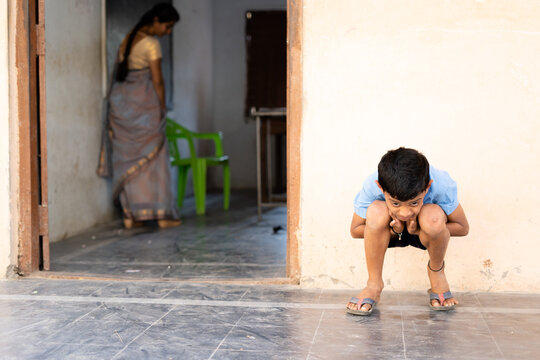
point(134, 150)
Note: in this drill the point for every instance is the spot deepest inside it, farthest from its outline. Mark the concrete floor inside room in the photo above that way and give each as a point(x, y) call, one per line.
point(219, 245)
point(175, 294)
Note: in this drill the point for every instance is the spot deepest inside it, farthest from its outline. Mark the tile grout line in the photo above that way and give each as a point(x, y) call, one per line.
point(315, 335)
point(87, 249)
point(403, 336)
point(170, 291)
point(74, 321)
point(88, 313)
point(246, 304)
point(489, 329)
point(244, 294)
point(223, 340)
point(101, 288)
point(492, 337)
point(29, 326)
point(145, 330)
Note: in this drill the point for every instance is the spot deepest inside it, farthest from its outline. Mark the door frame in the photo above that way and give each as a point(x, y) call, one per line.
point(31, 212)
point(26, 17)
point(294, 132)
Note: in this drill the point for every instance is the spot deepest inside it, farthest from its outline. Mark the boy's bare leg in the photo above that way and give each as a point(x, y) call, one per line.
point(435, 236)
point(376, 239)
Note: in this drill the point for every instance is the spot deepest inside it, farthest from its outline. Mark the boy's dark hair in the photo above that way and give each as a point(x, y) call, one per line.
point(403, 173)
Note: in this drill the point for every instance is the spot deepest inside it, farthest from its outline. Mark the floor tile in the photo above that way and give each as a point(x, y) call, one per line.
point(220, 245)
point(105, 333)
point(183, 335)
point(295, 338)
point(208, 292)
point(503, 300)
point(450, 344)
point(257, 355)
point(142, 313)
point(171, 351)
point(136, 289)
point(203, 315)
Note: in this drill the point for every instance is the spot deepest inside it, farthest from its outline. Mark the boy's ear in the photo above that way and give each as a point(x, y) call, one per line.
point(380, 187)
point(429, 185)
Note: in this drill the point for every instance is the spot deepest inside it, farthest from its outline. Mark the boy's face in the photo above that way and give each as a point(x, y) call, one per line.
point(405, 210)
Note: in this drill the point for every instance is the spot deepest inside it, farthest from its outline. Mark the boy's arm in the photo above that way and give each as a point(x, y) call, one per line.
point(358, 225)
point(457, 223)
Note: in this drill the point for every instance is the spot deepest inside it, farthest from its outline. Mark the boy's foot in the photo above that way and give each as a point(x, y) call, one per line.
point(439, 285)
point(368, 292)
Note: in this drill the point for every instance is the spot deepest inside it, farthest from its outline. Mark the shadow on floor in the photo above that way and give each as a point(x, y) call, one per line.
point(219, 245)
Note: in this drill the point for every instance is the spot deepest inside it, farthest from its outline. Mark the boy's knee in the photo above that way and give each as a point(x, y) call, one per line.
point(377, 215)
point(432, 219)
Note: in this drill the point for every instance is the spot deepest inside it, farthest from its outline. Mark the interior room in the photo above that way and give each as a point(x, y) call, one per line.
point(216, 67)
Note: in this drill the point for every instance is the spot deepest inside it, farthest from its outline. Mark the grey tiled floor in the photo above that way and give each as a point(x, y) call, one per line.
point(81, 319)
point(220, 245)
point(150, 312)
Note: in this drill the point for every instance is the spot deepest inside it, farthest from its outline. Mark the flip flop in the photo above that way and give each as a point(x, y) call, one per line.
point(440, 298)
point(363, 301)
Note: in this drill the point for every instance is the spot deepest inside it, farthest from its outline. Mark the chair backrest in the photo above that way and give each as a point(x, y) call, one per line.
point(175, 131)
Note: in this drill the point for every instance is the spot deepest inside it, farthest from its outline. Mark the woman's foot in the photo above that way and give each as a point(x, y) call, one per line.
point(130, 223)
point(372, 292)
point(164, 224)
point(439, 285)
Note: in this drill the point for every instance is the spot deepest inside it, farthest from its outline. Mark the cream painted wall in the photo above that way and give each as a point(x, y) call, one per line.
point(229, 87)
point(5, 211)
point(78, 198)
point(192, 58)
point(192, 71)
point(459, 81)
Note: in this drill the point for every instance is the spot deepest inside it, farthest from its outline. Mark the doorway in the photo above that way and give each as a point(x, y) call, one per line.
point(292, 254)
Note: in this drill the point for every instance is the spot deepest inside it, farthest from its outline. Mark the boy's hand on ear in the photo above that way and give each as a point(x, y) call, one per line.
point(412, 227)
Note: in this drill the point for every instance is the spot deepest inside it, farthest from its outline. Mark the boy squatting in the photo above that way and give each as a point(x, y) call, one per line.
point(406, 202)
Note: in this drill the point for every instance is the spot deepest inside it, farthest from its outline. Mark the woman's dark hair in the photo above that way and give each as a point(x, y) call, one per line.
point(403, 173)
point(164, 12)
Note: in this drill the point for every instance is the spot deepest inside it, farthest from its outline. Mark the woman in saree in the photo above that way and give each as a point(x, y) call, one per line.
point(136, 125)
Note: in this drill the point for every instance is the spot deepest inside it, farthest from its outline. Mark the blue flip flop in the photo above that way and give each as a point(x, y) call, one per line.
point(440, 298)
point(363, 301)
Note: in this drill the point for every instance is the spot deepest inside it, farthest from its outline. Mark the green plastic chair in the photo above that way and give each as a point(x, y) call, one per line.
point(176, 131)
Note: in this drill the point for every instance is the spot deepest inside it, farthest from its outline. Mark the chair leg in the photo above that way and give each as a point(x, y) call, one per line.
point(182, 182)
point(226, 186)
point(199, 185)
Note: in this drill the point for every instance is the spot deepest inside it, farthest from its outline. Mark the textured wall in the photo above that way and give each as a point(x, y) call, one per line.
point(459, 81)
point(78, 198)
point(192, 72)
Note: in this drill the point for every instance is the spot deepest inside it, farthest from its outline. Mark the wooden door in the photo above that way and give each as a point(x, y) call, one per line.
point(266, 53)
point(266, 57)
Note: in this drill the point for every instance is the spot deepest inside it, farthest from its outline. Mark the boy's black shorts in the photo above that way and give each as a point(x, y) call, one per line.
point(406, 240)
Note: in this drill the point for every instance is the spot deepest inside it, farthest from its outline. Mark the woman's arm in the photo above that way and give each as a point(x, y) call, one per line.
point(358, 225)
point(457, 222)
point(157, 81)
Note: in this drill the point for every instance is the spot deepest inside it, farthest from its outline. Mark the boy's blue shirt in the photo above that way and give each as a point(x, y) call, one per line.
point(443, 192)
